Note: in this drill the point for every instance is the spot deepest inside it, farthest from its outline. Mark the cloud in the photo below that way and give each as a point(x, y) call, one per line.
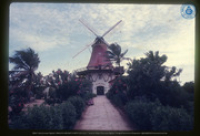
point(55, 29)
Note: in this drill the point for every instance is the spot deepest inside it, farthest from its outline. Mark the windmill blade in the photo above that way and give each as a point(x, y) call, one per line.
point(82, 50)
point(111, 28)
point(88, 27)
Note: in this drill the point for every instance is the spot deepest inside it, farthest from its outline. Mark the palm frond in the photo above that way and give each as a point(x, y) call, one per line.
point(115, 48)
point(122, 55)
point(25, 59)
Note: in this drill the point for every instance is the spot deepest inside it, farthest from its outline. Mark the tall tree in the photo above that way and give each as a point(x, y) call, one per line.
point(26, 62)
point(147, 76)
point(115, 55)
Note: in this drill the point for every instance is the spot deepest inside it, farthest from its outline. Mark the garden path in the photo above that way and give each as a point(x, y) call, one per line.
point(103, 116)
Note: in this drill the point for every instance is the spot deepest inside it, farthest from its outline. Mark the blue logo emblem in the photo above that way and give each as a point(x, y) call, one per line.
point(188, 11)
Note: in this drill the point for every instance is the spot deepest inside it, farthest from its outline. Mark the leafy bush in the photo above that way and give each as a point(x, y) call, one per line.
point(69, 115)
point(119, 99)
point(165, 118)
point(35, 118)
point(56, 121)
point(140, 113)
point(42, 117)
point(116, 100)
point(67, 90)
point(148, 115)
point(38, 117)
point(87, 95)
point(78, 103)
point(15, 104)
point(38, 91)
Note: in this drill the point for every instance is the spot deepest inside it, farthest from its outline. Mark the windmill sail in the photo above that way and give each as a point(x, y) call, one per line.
point(99, 39)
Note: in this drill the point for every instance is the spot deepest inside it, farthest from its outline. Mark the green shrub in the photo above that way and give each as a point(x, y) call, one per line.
point(35, 118)
point(116, 100)
point(165, 118)
point(38, 91)
point(38, 117)
point(94, 95)
point(50, 101)
point(19, 122)
point(56, 121)
point(87, 95)
point(108, 95)
point(42, 117)
point(69, 115)
point(154, 116)
point(78, 103)
point(140, 112)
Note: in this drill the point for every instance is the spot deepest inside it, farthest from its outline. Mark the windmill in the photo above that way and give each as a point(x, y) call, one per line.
point(99, 69)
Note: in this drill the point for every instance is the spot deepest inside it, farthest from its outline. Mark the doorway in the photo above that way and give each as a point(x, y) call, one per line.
point(100, 90)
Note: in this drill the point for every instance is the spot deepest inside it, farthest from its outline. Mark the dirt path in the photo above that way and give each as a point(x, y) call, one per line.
point(103, 116)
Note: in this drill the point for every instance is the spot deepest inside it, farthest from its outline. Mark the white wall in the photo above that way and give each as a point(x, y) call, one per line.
point(104, 81)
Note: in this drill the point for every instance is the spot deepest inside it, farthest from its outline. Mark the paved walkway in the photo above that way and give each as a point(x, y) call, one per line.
point(103, 116)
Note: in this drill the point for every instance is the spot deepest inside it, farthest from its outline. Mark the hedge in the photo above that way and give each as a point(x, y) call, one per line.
point(155, 116)
point(62, 116)
point(78, 103)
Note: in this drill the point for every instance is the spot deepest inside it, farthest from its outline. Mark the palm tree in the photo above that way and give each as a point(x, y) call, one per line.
point(26, 62)
point(38, 78)
point(114, 54)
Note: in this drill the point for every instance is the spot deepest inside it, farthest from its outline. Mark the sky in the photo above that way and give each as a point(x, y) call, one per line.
point(54, 31)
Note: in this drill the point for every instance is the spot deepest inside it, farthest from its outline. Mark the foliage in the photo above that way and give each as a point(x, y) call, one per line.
point(15, 104)
point(78, 103)
point(189, 87)
point(17, 98)
point(118, 92)
point(166, 118)
point(116, 100)
point(148, 77)
point(60, 92)
point(140, 113)
point(87, 95)
point(42, 117)
point(36, 118)
point(26, 62)
point(114, 53)
point(154, 116)
point(69, 115)
point(38, 91)
point(151, 89)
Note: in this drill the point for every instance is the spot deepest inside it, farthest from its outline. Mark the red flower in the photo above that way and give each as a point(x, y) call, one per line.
point(19, 105)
